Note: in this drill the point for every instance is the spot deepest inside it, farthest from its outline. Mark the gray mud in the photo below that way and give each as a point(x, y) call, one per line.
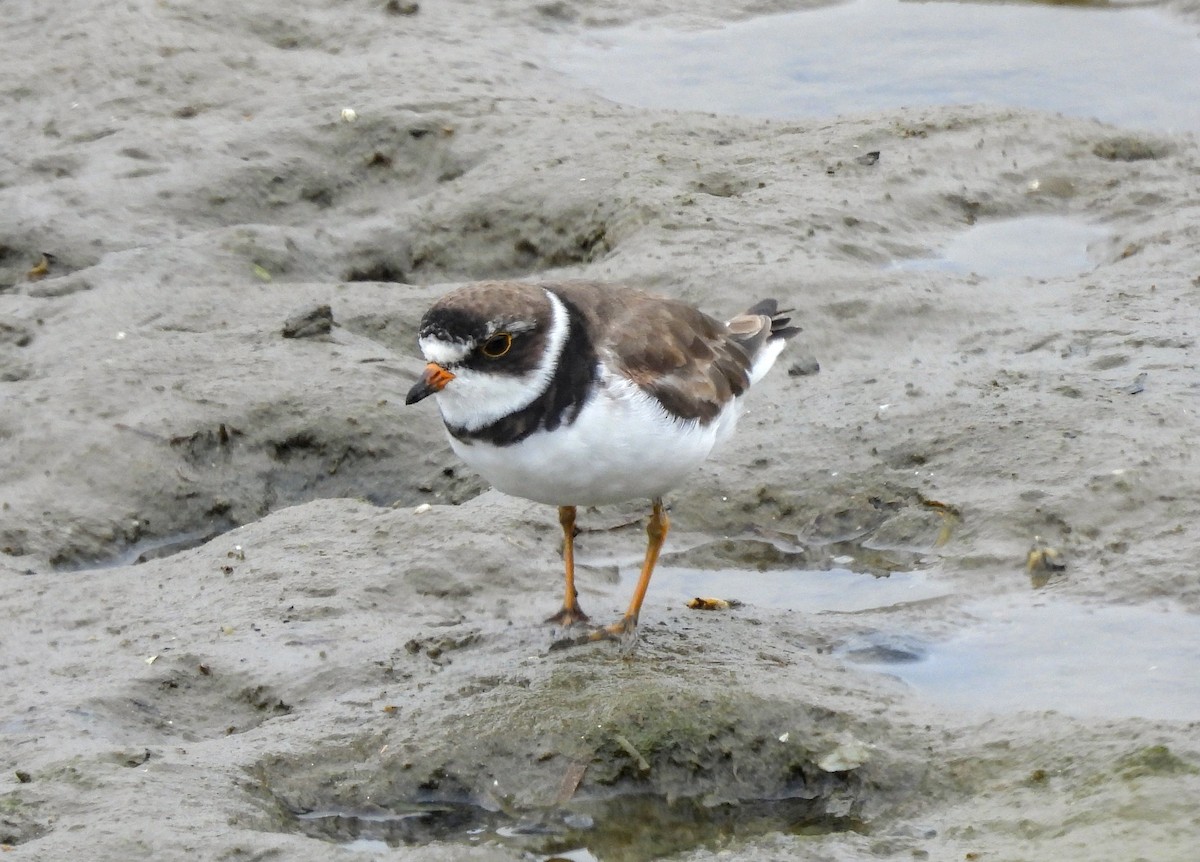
point(235, 631)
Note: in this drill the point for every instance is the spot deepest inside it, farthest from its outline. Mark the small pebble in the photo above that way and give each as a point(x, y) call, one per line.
point(805, 366)
point(309, 324)
point(1138, 384)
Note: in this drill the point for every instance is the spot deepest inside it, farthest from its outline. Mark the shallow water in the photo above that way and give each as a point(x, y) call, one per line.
point(839, 590)
point(1029, 653)
point(1020, 652)
point(1026, 247)
point(622, 829)
point(1134, 67)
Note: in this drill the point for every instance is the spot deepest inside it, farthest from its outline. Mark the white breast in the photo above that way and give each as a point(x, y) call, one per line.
point(622, 446)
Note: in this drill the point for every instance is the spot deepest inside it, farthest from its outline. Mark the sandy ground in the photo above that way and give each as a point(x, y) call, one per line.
point(229, 612)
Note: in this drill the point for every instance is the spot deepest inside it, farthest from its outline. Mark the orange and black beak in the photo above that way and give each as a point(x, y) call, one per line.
point(433, 380)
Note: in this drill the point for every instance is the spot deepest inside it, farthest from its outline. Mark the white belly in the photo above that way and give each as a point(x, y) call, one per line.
point(622, 446)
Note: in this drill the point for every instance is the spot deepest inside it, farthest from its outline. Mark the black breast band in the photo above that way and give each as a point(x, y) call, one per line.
point(568, 390)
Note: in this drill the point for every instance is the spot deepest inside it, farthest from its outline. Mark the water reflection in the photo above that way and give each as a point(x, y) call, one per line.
point(1027, 247)
point(1135, 67)
point(1025, 653)
point(838, 590)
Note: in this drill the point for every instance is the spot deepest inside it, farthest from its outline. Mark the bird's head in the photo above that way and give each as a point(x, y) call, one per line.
point(490, 350)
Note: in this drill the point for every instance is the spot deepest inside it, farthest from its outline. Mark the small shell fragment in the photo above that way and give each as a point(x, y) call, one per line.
point(349, 115)
point(1043, 558)
point(850, 754)
point(42, 268)
point(1042, 561)
point(701, 603)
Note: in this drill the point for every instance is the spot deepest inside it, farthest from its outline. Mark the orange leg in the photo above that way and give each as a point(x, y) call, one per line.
point(570, 612)
point(625, 629)
point(656, 533)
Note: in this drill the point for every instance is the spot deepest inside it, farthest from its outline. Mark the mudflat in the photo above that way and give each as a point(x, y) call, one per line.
point(255, 609)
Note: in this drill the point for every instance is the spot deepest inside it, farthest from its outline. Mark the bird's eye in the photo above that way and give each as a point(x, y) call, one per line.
point(498, 345)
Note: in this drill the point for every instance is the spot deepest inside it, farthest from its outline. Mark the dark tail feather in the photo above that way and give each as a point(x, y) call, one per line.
point(750, 331)
point(779, 324)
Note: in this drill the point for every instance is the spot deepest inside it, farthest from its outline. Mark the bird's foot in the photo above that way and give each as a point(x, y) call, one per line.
point(624, 631)
point(568, 615)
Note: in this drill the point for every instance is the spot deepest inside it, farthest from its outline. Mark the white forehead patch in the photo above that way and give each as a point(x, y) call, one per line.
point(443, 352)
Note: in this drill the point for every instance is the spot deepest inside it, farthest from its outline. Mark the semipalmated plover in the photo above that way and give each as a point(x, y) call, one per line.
point(584, 394)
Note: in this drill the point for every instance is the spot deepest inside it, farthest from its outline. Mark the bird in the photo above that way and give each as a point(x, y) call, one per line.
point(587, 394)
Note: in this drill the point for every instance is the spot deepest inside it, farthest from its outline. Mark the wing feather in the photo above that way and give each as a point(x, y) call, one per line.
point(691, 362)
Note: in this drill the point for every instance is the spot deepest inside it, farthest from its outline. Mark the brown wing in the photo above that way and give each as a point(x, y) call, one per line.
point(686, 360)
point(692, 363)
point(681, 356)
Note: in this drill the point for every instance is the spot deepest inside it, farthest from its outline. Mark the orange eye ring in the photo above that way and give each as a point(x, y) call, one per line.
point(498, 345)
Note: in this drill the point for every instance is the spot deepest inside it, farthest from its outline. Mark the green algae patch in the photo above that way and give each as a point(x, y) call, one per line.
point(628, 763)
point(1153, 760)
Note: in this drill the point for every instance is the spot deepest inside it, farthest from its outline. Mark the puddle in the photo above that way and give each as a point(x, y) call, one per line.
point(580, 855)
point(836, 590)
point(417, 824)
point(153, 548)
point(1026, 653)
point(1027, 247)
point(620, 829)
point(1132, 66)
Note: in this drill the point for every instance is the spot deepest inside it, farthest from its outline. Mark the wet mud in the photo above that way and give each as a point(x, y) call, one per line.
point(258, 610)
